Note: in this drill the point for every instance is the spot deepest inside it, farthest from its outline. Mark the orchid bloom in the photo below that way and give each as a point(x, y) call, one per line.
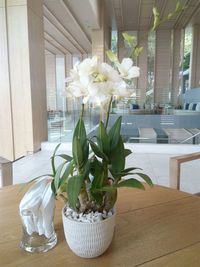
point(127, 70)
point(97, 82)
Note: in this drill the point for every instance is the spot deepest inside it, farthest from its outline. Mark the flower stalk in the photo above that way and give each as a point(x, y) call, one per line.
point(108, 112)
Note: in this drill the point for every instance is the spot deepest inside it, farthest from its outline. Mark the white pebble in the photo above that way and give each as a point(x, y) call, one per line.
point(87, 218)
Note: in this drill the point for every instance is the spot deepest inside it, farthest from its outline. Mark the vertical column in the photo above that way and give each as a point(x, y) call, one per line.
point(37, 79)
point(177, 37)
point(60, 81)
point(162, 66)
point(195, 59)
point(50, 61)
point(22, 21)
point(142, 64)
point(6, 130)
point(99, 37)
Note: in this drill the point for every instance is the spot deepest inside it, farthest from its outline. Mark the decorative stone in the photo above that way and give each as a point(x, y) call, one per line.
point(87, 217)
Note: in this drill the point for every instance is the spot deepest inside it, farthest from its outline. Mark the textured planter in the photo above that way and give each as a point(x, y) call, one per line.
point(88, 240)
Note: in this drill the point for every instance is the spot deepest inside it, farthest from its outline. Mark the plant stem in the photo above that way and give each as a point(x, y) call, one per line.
point(108, 112)
point(82, 110)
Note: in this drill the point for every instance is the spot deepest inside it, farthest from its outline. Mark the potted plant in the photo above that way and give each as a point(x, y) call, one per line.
point(88, 181)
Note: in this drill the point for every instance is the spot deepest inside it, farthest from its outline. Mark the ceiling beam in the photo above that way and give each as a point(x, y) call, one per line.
point(76, 21)
point(61, 32)
point(180, 15)
point(120, 18)
point(64, 31)
point(48, 50)
point(49, 36)
point(194, 12)
point(52, 44)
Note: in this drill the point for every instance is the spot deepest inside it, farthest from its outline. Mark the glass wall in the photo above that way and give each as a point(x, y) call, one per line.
point(187, 58)
point(141, 123)
point(150, 70)
point(63, 112)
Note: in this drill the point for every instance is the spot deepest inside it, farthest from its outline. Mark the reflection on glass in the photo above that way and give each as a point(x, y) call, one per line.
point(186, 58)
point(150, 70)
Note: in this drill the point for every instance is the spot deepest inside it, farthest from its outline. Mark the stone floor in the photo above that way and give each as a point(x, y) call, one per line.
point(153, 161)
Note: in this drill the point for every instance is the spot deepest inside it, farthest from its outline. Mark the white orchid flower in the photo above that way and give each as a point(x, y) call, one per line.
point(74, 76)
point(88, 66)
point(127, 70)
point(110, 73)
point(97, 82)
point(99, 93)
point(120, 89)
point(78, 88)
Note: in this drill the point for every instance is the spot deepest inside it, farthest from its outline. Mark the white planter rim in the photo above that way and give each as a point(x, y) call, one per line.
point(88, 223)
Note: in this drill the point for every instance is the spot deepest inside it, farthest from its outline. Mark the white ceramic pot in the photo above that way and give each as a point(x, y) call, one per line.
point(88, 240)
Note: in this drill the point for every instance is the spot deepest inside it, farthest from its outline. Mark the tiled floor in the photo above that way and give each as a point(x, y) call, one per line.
point(156, 165)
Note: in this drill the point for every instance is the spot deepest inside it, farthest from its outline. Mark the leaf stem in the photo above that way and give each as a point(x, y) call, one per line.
point(108, 112)
point(82, 111)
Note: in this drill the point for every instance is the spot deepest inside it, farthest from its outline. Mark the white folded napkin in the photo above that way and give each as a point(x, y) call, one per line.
point(37, 208)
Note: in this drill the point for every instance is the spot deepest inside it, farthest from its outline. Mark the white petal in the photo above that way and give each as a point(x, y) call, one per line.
point(133, 72)
point(127, 63)
point(109, 72)
point(93, 88)
point(84, 80)
point(85, 99)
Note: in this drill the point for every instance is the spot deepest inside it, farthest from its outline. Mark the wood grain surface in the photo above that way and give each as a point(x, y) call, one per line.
point(156, 227)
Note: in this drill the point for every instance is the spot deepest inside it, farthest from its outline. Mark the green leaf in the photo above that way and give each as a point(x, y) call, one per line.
point(64, 156)
point(85, 150)
point(98, 180)
point(66, 173)
point(98, 173)
point(97, 151)
point(73, 189)
point(53, 159)
point(114, 133)
point(53, 187)
point(80, 132)
point(178, 6)
point(57, 175)
point(127, 152)
point(128, 38)
point(125, 172)
point(103, 138)
point(156, 21)
point(145, 177)
point(80, 147)
point(131, 169)
point(77, 152)
point(113, 57)
point(170, 15)
point(131, 183)
point(86, 168)
point(137, 51)
point(117, 158)
point(107, 189)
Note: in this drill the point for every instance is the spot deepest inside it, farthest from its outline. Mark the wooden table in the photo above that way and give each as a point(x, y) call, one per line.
point(157, 227)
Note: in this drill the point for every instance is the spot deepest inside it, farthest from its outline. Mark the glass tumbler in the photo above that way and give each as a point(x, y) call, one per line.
point(35, 242)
